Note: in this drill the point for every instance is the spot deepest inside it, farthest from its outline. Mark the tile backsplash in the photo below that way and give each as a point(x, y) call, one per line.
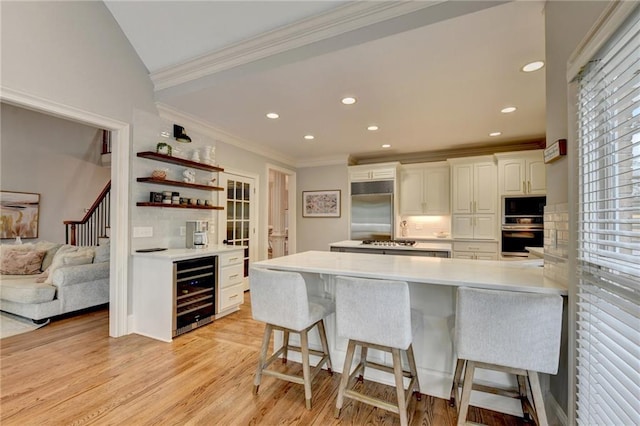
point(424, 226)
point(556, 242)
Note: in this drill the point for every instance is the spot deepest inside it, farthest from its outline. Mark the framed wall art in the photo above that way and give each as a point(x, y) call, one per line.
point(19, 213)
point(321, 203)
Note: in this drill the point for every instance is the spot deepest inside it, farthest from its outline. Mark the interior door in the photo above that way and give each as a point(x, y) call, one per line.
point(237, 223)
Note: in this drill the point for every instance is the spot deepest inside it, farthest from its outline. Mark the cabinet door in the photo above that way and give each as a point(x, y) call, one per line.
point(411, 192)
point(486, 256)
point(436, 191)
point(537, 177)
point(462, 188)
point(462, 226)
point(463, 255)
point(512, 177)
point(485, 227)
point(383, 174)
point(360, 175)
point(485, 188)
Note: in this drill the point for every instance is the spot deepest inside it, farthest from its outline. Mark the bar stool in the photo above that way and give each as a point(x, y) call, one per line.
point(376, 314)
point(280, 300)
point(513, 332)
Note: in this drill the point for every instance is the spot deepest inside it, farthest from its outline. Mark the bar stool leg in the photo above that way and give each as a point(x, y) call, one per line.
point(306, 370)
point(522, 390)
point(363, 361)
point(466, 392)
point(538, 401)
point(397, 372)
point(414, 372)
point(325, 345)
point(262, 358)
point(453, 399)
point(285, 346)
point(344, 380)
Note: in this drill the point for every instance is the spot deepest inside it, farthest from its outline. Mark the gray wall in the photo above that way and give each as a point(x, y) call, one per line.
point(566, 24)
point(73, 53)
point(56, 158)
point(318, 233)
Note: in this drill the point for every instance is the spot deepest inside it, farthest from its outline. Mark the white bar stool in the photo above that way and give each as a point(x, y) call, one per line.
point(280, 300)
point(514, 332)
point(376, 314)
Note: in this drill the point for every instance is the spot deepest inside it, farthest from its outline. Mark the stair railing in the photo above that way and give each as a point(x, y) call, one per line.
point(93, 225)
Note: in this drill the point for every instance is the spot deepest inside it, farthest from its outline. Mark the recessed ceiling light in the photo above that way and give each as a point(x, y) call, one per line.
point(495, 133)
point(508, 110)
point(373, 128)
point(273, 115)
point(309, 137)
point(348, 100)
point(386, 145)
point(533, 66)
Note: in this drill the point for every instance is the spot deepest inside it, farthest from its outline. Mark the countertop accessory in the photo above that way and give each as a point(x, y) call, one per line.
point(149, 250)
point(159, 174)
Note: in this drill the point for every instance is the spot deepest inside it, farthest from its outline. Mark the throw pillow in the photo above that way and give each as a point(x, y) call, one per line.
point(18, 262)
point(69, 255)
point(102, 253)
point(51, 249)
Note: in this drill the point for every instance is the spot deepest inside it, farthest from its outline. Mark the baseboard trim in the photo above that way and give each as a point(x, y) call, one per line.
point(556, 414)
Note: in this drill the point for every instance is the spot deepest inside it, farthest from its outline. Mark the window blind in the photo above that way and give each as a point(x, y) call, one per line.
point(608, 292)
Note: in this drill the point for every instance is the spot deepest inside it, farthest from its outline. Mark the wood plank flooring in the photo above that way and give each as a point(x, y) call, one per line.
point(71, 373)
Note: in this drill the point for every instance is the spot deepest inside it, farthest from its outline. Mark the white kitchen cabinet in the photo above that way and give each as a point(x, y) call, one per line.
point(425, 189)
point(382, 171)
point(231, 284)
point(474, 197)
point(522, 173)
point(475, 250)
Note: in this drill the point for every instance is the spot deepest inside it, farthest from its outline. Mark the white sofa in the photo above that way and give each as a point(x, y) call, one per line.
point(69, 288)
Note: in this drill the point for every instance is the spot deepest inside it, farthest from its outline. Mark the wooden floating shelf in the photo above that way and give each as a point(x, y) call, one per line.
point(178, 183)
point(179, 161)
point(179, 206)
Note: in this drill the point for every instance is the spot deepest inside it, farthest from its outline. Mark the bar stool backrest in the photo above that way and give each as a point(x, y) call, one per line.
point(511, 329)
point(374, 311)
point(279, 298)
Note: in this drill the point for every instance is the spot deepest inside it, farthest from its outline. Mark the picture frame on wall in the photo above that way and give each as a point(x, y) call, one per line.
point(19, 214)
point(321, 203)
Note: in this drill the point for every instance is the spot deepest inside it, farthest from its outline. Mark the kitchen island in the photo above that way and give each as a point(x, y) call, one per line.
point(432, 285)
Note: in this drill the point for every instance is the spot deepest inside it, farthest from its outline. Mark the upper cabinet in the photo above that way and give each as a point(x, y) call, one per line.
point(425, 189)
point(522, 173)
point(384, 171)
point(474, 198)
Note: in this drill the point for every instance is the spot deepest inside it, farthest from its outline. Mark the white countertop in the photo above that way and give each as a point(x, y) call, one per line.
point(524, 276)
point(185, 253)
point(424, 246)
point(536, 251)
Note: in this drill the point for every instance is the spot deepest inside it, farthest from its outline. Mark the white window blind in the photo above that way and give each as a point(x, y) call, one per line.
point(608, 293)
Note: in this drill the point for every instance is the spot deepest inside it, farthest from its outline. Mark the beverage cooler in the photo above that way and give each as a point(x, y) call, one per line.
point(195, 290)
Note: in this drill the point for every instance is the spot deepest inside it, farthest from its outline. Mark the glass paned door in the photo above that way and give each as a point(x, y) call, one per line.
point(238, 227)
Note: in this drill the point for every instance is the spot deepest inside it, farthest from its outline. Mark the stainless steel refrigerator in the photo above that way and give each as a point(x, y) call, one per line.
point(372, 210)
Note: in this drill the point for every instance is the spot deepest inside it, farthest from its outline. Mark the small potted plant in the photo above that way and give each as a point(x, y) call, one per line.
point(163, 148)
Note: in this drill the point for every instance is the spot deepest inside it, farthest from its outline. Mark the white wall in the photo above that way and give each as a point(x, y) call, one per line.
point(318, 233)
point(73, 53)
point(56, 158)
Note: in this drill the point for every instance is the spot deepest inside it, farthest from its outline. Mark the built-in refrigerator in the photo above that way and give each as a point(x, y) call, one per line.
point(372, 210)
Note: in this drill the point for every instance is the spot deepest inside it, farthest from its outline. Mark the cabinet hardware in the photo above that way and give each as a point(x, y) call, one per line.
point(233, 276)
point(475, 206)
point(470, 206)
point(234, 296)
point(529, 183)
point(474, 248)
point(233, 258)
point(524, 187)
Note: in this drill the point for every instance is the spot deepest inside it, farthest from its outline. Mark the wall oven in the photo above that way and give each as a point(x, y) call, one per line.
point(522, 225)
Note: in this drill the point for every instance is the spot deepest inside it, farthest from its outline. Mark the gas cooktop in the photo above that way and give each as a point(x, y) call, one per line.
point(389, 243)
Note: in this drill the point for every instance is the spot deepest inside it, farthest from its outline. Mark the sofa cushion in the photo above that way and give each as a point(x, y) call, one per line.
point(68, 256)
point(102, 253)
point(19, 262)
point(51, 249)
point(24, 289)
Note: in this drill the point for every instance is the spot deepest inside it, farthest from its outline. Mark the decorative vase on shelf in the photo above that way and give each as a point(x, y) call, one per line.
point(195, 156)
point(209, 155)
point(163, 148)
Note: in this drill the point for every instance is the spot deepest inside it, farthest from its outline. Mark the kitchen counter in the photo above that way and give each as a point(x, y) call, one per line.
point(536, 251)
point(432, 285)
point(185, 253)
point(491, 274)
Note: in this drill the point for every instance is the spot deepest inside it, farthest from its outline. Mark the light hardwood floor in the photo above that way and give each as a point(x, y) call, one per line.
point(71, 373)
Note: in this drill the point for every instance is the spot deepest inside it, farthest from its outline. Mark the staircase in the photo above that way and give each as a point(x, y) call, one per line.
point(95, 224)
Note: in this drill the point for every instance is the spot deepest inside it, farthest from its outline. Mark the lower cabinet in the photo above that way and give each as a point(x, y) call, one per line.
point(480, 226)
point(231, 286)
point(475, 250)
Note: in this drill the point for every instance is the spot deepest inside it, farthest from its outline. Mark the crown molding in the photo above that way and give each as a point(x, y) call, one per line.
point(204, 128)
point(349, 17)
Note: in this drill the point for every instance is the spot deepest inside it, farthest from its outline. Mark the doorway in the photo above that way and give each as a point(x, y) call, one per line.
point(281, 221)
point(237, 223)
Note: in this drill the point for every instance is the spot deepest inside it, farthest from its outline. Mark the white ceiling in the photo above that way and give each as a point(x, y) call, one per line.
point(431, 79)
